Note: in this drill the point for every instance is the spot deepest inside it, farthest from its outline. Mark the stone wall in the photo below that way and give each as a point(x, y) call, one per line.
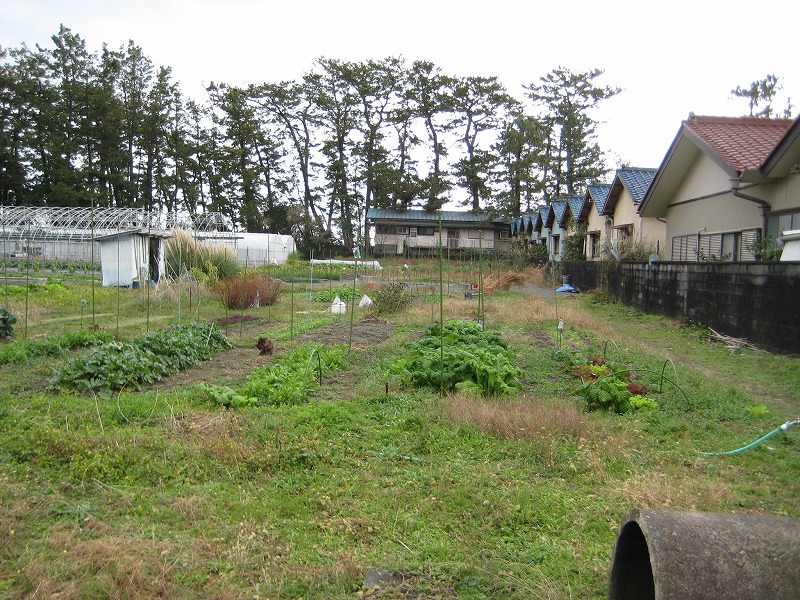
point(756, 301)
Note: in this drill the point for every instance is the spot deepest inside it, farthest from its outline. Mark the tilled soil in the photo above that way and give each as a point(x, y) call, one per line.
point(232, 367)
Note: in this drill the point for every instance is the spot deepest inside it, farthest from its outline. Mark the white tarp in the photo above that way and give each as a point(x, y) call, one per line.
point(256, 249)
point(362, 264)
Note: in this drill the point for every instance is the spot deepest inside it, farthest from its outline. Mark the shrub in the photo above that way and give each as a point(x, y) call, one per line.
point(250, 290)
point(185, 254)
point(390, 298)
point(345, 292)
point(7, 319)
point(574, 244)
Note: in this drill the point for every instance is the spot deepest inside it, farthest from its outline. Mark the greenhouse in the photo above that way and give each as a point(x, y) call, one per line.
point(71, 233)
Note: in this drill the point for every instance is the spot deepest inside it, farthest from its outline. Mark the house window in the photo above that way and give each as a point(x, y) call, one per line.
point(594, 244)
point(426, 231)
point(413, 232)
point(730, 246)
point(777, 224)
point(624, 233)
point(402, 230)
point(475, 234)
point(556, 245)
point(504, 234)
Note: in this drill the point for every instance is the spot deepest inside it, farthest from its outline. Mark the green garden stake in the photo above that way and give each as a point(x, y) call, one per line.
point(118, 281)
point(269, 306)
point(441, 311)
point(291, 310)
point(147, 319)
point(27, 288)
point(83, 308)
point(480, 279)
point(91, 245)
point(356, 255)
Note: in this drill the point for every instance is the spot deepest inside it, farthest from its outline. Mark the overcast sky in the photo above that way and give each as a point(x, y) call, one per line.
point(670, 58)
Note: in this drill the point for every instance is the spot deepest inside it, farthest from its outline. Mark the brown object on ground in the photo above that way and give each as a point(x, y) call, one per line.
point(506, 280)
point(266, 345)
point(732, 343)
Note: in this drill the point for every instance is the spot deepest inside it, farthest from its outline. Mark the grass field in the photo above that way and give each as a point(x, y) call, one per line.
point(160, 493)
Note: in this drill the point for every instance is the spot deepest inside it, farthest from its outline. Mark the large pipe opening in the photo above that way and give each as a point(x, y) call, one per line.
point(631, 573)
point(673, 555)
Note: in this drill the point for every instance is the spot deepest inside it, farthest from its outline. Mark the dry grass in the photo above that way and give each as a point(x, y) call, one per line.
point(526, 312)
point(33, 313)
point(506, 280)
point(657, 490)
point(96, 562)
point(525, 418)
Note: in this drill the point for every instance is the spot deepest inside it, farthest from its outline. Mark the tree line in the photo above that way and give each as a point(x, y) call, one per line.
point(307, 157)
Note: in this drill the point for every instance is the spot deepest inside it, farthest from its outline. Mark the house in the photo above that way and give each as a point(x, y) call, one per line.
point(417, 231)
point(724, 184)
point(628, 227)
point(548, 229)
point(133, 257)
point(598, 226)
point(573, 219)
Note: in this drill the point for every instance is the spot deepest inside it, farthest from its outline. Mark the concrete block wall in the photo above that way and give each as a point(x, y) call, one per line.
point(756, 301)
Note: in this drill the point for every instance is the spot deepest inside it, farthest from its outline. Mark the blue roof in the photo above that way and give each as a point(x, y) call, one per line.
point(636, 181)
point(422, 215)
point(547, 215)
point(559, 210)
point(576, 204)
point(599, 194)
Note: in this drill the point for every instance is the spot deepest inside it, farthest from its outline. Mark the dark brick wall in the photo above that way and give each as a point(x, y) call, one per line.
point(756, 301)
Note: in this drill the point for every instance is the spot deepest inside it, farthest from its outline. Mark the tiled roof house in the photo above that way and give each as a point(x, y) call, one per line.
point(723, 182)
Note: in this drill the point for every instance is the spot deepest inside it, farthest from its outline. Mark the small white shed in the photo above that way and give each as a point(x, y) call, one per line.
point(133, 257)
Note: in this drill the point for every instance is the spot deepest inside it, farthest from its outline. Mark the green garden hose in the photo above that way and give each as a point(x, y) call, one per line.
point(785, 427)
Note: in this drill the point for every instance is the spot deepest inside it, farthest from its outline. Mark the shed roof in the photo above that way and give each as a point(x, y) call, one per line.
point(156, 233)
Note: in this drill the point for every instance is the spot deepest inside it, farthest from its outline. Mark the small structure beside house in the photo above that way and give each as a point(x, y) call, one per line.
point(398, 232)
point(133, 257)
point(726, 186)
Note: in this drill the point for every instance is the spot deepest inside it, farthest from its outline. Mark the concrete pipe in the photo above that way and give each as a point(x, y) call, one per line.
point(674, 555)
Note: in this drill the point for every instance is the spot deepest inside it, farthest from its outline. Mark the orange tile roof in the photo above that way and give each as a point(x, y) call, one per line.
point(741, 142)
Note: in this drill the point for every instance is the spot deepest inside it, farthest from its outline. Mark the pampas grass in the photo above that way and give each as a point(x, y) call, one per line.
point(185, 254)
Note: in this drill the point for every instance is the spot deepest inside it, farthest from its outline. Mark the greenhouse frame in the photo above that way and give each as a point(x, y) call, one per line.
point(71, 233)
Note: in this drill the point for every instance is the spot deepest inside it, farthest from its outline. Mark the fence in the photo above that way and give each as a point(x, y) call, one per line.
point(757, 301)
